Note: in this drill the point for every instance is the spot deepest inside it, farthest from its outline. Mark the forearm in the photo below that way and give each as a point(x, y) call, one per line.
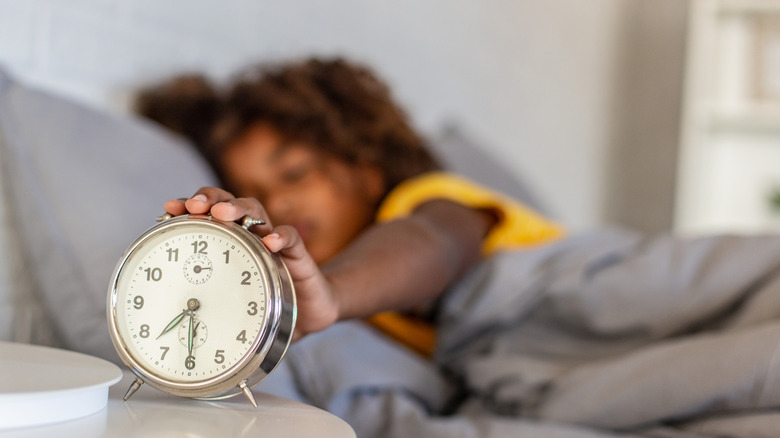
point(391, 266)
point(407, 262)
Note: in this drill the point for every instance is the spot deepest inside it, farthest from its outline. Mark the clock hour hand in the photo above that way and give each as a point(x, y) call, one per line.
point(174, 322)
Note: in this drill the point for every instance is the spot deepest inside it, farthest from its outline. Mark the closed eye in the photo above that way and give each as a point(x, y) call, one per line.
point(296, 173)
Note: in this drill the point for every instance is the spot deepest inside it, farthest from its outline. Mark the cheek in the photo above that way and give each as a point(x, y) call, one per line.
point(341, 217)
point(355, 208)
point(233, 159)
point(352, 214)
point(236, 172)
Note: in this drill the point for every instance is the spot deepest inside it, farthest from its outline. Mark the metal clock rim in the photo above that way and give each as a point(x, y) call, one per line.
point(264, 356)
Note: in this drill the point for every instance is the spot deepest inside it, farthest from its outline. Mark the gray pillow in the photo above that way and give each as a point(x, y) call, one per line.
point(77, 187)
point(460, 153)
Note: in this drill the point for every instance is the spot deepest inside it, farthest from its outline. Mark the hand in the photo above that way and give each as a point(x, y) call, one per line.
point(190, 335)
point(175, 321)
point(318, 306)
point(195, 330)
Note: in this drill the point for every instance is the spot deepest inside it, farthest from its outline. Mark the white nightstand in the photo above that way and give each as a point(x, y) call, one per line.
point(151, 413)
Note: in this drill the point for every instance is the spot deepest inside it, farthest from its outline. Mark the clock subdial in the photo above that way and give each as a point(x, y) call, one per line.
point(199, 332)
point(198, 269)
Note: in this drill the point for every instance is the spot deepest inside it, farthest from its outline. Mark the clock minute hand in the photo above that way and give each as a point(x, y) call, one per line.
point(174, 322)
point(191, 334)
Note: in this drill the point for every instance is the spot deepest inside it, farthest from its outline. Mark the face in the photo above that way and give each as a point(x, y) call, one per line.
point(328, 201)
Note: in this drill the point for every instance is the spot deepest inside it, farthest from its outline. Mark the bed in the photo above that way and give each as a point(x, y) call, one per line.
point(604, 334)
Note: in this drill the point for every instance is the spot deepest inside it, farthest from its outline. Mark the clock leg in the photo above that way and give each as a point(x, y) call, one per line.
point(247, 392)
point(133, 388)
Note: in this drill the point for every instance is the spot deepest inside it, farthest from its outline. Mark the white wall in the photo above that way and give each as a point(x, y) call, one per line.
point(537, 81)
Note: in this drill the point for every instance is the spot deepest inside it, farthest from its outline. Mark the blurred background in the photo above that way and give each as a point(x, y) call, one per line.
point(657, 115)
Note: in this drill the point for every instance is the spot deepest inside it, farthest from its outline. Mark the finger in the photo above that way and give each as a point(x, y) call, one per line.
point(175, 207)
point(205, 198)
point(274, 242)
point(285, 240)
point(237, 208)
point(285, 237)
point(317, 307)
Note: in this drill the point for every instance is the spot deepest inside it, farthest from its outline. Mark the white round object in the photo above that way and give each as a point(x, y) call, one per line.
point(41, 385)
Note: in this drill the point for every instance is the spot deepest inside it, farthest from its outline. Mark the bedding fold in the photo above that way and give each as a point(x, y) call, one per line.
point(602, 334)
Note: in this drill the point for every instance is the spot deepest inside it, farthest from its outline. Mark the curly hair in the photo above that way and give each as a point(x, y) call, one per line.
point(338, 107)
point(188, 105)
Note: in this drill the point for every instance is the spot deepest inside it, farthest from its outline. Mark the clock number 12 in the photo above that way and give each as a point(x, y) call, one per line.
point(200, 246)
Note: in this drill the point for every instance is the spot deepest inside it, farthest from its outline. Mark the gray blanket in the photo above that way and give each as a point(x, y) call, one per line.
point(603, 334)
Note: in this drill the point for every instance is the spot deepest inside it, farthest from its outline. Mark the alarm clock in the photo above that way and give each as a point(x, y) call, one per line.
point(200, 308)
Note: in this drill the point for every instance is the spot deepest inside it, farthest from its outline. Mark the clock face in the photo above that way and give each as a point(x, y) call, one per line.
point(190, 302)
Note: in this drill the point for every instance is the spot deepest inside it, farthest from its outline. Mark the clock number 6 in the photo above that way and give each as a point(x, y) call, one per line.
point(189, 363)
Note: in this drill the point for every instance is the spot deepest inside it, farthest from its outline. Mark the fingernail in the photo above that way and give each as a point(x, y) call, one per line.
point(274, 235)
point(200, 197)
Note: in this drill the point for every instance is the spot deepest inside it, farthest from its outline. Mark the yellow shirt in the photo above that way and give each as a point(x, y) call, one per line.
point(518, 227)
